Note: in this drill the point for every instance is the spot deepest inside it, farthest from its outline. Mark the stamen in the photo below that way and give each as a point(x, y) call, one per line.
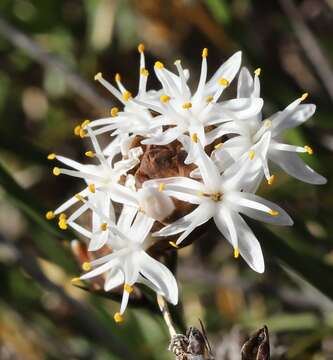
point(159, 65)
point(257, 72)
point(49, 215)
point(187, 105)
point(205, 52)
point(224, 82)
point(128, 288)
point(144, 72)
point(62, 216)
point(92, 188)
point(104, 226)
point(216, 196)
point(251, 154)
point(268, 123)
point(177, 62)
point(209, 98)
point(164, 98)
point(271, 180)
point(173, 244)
point(304, 96)
point(86, 266)
point(308, 149)
point(117, 77)
point(77, 130)
point(218, 146)
point(75, 280)
point(194, 137)
point(83, 133)
point(85, 123)
point(98, 76)
point(51, 156)
point(114, 111)
point(236, 252)
point(63, 224)
point(161, 187)
point(127, 95)
point(56, 171)
point(273, 212)
point(90, 154)
point(118, 318)
point(80, 198)
point(141, 48)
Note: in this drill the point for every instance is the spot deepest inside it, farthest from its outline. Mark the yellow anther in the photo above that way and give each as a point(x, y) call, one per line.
point(159, 65)
point(164, 98)
point(141, 48)
point(63, 224)
point(144, 72)
point(257, 72)
point(273, 212)
point(209, 98)
point(187, 105)
point(216, 196)
point(128, 288)
point(161, 187)
point(236, 252)
point(56, 171)
point(251, 154)
point(304, 96)
point(98, 76)
point(194, 137)
point(90, 154)
point(85, 123)
point(117, 77)
point(86, 266)
point(104, 226)
point(268, 123)
point(51, 156)
point(218, 146)
point(271, 180)
point(204, 52)
point(83, 133)
point(127, 95)
point(62, 216)
point(77, 130)
point(224, 82)
point(92, 188)
point(75, 280)
point(118, 318)
point(173, 244)
point(114, 111)
point(80, 198)
point(308, 149)
point(49, 215)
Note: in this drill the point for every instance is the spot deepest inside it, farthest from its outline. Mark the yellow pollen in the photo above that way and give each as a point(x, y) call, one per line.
point(83, 132)
point(92, 188)
point(128, 288)
point(56, 171)
point(118, 318)
point(77, 130)
point(204, 52)
point(173, 244)
point(224, 82)
point(104, 226)
point(218, 146)
point(49, 215)
point(141, 48)
point(216, 196)
point(304, 96)
point(63, 224)
point(161, 187)
point(75, 280)
point(86, 266)
point(80, 197)
point(62, 216)
point(98, 76)
point(51, 156)
point(273, 212)
point(159, 65)
point(271, 180)
point(236, 252)
point(114, 111)
point(117, 77)
point(308, 149)
point(209, 98)
point(268, 123)
point(85, 123)
point(257, 72)
point(164, 98)
point(142, 210)
point(127, 95)
point(144, 72)
point(90, 154)
point(187, 105)
point(251, 154)
point(194, 137)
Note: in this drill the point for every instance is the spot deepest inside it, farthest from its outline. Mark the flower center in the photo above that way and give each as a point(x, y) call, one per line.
point(215, 196)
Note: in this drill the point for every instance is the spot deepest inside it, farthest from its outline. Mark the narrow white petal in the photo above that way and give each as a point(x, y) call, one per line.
point(123, 195)
point(114, 278)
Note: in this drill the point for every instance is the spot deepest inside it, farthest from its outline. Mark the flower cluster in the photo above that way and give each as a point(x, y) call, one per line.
point(229, 145)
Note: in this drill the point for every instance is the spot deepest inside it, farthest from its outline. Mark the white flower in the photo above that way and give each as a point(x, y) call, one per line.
point(252, 129)
point(221, 198)
point(128, 263)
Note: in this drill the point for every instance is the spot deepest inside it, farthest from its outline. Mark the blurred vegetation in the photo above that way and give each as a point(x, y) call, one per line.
point(42, 316)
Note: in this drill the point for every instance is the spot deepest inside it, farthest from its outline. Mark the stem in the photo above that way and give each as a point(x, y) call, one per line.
point(166, 315)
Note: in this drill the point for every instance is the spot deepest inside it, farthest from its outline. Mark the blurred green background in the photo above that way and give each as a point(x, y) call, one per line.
point(49, 53)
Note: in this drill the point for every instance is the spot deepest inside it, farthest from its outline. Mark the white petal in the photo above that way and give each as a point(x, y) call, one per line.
point(245, 84)
point(123, 195)
point(98, 240)
point(114, 278)
point(175, 180)
point(101, 269)
point(242, 108)
point(165, 138)
point(126, 218)
point(141, 226)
